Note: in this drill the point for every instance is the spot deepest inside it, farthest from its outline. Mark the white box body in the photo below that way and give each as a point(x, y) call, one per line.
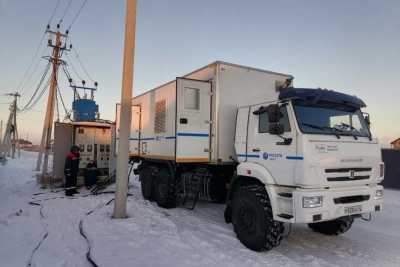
point(193, 131)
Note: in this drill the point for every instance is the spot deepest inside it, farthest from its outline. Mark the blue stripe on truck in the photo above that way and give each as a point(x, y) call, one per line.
point(194, 134)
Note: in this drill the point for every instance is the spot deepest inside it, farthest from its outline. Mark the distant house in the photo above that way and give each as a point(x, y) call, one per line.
point(396, 144)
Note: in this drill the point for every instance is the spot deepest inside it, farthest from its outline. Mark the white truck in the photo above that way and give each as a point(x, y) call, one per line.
point(273, 153)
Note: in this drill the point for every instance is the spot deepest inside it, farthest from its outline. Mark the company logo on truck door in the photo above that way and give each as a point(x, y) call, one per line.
point(322, 148)
point(272, 156)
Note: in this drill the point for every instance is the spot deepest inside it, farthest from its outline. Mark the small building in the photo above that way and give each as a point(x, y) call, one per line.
point(93, 139)
point(395, 144)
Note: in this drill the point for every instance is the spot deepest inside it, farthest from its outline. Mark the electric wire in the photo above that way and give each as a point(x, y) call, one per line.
point(44, 89)
point(22, 81)
point(73, 68)
point(62, 101)
point(77, 14)
point(65, 11)
point(81, 64)
point(54, 12)
point(38, 86)
point(57, 108)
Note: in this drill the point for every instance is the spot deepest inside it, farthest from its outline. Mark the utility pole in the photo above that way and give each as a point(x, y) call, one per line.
point(126, 107)
point(11, 139)
point(45, 145)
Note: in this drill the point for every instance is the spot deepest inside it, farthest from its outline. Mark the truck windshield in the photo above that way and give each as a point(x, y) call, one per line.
point(322, 120)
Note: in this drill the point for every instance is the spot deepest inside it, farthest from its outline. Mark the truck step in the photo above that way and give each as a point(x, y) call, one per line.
point(284, 194)
point(285, 216)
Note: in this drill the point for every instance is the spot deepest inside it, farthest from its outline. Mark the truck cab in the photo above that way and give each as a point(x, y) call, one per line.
point(314, 153)
point(308, 157)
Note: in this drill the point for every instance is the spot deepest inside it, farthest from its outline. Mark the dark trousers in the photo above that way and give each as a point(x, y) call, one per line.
point(90, 177)
point(70, 183)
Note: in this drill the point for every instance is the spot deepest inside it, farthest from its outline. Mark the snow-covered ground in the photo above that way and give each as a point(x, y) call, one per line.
point(49, 235)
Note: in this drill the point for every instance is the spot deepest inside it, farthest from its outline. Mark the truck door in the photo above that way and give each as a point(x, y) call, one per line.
point(270, 150)
point(193, 117)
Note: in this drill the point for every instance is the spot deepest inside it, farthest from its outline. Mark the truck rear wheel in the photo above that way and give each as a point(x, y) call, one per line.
point(334, 227)
point(146, 181)
point(164, 189)
point(252, 219)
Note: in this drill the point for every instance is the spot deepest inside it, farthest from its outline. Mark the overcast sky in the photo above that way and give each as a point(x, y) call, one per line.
point(349, 46)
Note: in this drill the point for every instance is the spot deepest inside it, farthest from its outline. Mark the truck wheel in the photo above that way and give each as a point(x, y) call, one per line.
point(252, 219)
point(164, 189)
point(146, 181)
point(334, 227)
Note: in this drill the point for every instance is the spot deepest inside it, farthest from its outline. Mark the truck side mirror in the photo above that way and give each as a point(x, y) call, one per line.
point(276, 128)
point(274, 113)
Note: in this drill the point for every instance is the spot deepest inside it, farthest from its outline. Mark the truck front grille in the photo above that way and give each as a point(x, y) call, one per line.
point(351, 199)
point(347, 178)
point(348, 170)
point(338, 174)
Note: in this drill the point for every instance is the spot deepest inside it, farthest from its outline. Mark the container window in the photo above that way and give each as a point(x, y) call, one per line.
point(160, 117)
point(191, 98)
point(101, 148)
point(263, 124)
point(82, 148)
point(107, 148)
point(81, 131)
point(89, 148)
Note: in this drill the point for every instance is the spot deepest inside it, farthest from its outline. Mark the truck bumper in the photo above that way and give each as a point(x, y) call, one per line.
point(336, 202)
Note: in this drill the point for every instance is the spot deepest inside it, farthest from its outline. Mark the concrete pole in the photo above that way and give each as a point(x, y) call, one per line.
point(125, 114)
point(48, 120)
point(14, 139)
point(52, 94)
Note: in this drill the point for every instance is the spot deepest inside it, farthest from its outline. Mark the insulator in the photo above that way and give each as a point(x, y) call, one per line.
point(48, 26)
point(70, 46)
point(83, 82)
point(67, 31)
point(58, 26)
point(95, 84)
point(70, 80)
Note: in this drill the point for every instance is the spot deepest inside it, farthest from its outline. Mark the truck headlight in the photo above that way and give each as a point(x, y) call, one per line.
point(379, 194)
point(312, 202)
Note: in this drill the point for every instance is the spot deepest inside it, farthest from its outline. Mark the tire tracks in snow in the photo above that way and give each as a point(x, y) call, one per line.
point(46, 234)
point(38, 202)
point(84, 234)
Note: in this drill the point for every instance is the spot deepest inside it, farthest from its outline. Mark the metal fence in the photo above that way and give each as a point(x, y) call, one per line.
point(391, 157)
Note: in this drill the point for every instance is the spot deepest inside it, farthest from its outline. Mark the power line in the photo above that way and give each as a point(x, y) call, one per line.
point(65, 12)
point(77, 14)
point(54, 12)
point(62, 101)
point(44, 89)
point(81, 64)
point(38, 86)
point(27, 82)
point(73, 68)
point(19, 87)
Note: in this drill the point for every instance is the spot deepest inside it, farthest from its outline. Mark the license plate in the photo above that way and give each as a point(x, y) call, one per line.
point(353, 210)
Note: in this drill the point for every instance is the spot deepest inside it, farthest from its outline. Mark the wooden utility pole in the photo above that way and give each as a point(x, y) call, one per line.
point(55, 59)
point(125, 116)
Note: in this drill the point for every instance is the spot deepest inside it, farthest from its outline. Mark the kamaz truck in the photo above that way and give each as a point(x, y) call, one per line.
point(271, 152)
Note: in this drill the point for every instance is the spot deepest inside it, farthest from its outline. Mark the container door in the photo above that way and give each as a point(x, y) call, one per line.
point(135, 130)
point(193, 120)
point(134, 139)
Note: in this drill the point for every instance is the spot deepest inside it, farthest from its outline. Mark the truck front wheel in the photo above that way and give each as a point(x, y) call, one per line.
point(252, 219)
point(333, 227)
